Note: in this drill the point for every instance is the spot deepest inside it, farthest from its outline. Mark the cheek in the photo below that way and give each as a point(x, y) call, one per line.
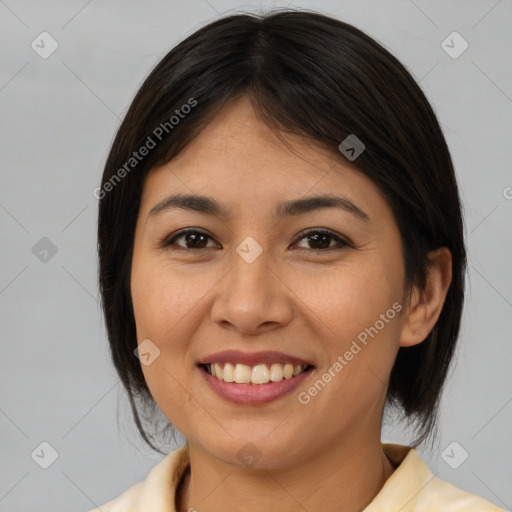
point(354, 309)
point(349, 298)
point(161, 298)
point(161, 301)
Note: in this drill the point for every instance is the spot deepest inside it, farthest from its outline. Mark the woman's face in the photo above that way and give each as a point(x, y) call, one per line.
point(252, 281)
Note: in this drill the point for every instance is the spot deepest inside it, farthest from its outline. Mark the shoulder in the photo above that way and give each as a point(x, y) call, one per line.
point(441, 495)
point(414, 488)
point(157, 491)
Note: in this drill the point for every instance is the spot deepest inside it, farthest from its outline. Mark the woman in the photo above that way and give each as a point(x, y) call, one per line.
point(281, 256)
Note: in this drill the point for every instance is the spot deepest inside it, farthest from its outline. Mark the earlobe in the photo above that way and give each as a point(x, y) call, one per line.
point(425, 305)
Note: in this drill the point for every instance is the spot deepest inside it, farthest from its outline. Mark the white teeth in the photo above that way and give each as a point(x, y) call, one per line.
point(229, 373)
point(276, 372)
point(288, 371)
point(259, 374)
point(242, 374)
point(219, 371)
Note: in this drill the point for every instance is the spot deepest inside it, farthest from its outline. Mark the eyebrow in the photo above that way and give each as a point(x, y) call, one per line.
point(209, 206)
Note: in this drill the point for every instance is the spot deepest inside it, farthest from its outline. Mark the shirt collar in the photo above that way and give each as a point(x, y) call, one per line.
point(399, 492)
point(401, 489)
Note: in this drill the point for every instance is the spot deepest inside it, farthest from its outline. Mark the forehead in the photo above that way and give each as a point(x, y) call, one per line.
point(237, 157)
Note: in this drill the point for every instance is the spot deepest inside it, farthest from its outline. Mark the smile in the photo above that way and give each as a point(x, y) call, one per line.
point(254, 378)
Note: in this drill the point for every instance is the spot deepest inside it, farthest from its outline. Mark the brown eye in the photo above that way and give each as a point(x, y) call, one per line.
point(193, 240)
point(320, 240)
point(317, 240)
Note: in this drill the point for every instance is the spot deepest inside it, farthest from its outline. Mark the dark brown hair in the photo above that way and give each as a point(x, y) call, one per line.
point(323, 79)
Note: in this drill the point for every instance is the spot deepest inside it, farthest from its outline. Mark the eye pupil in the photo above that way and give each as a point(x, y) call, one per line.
point(323, 244)
point(194, 237)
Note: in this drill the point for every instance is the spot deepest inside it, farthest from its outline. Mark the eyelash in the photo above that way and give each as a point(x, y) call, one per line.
point(342, 243)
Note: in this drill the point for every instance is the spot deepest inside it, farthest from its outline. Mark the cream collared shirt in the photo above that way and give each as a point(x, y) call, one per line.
point(411, 488)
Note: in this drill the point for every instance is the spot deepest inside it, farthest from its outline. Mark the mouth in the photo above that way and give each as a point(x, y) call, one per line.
point(239, 373)
point(256, 378)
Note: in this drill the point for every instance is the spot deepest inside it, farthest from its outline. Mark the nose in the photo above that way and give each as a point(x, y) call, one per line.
point(252, 298)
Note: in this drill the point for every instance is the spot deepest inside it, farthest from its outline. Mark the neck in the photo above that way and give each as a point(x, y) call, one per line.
point(346, 478)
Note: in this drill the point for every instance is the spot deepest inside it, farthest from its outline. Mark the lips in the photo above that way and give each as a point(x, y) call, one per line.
point(253, 378)
point(253, 394)
point(253, 359)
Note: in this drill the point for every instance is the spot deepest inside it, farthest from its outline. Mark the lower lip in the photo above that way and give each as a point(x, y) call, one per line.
point(253, 394)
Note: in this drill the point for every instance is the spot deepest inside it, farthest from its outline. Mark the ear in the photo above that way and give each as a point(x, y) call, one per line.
point(426, 305)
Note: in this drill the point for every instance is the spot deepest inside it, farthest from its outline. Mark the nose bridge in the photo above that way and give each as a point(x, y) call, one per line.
point(251, 270)
point(251, 294)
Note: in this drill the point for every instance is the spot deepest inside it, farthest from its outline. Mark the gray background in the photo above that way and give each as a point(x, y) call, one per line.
point(58, 118)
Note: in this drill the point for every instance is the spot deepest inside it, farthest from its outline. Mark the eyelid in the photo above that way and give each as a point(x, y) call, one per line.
point(341, 240)
point(169, 240)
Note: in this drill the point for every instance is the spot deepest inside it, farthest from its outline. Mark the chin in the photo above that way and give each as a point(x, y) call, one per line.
point(260, 453)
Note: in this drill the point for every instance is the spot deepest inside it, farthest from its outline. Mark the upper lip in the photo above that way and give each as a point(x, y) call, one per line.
point(253, 359)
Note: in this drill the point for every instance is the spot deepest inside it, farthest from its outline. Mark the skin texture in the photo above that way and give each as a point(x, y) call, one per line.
point(325, 455)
